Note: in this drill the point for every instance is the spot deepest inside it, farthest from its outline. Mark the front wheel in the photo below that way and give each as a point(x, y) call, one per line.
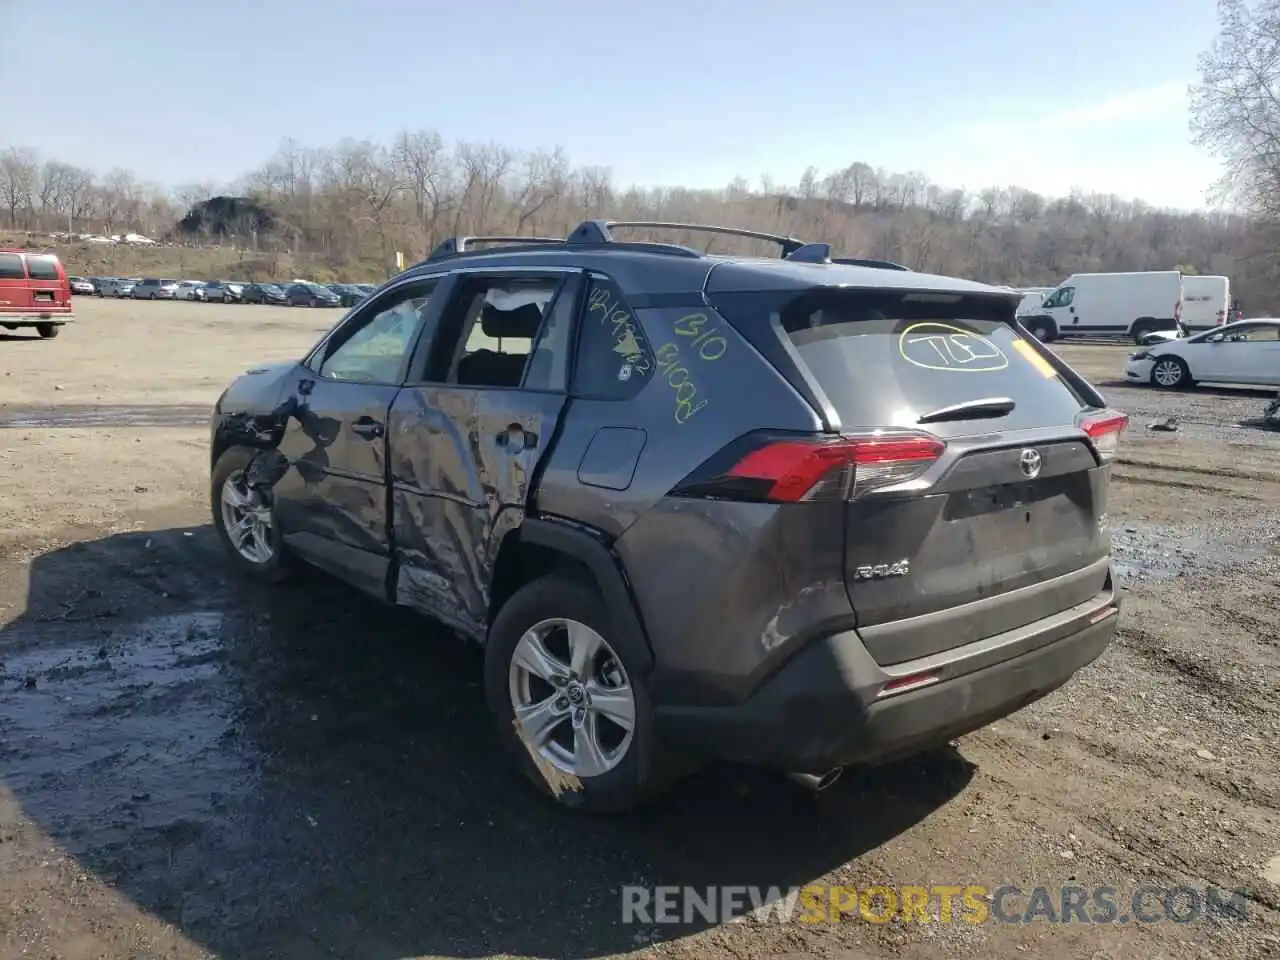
point(1042, 328)
point(565, 692)
point(1171, 373)
point(245, 519)
point(47, 330)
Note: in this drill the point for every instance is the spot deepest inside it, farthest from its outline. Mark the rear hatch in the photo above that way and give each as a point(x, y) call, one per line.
point(975, 493)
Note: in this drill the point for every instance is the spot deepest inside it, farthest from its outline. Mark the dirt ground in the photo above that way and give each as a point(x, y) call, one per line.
point(190, 768)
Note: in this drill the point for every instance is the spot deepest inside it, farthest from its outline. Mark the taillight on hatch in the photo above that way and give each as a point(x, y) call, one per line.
point(793, 469)
point(1103, 428)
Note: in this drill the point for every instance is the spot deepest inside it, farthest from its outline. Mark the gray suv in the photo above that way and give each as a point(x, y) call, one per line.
point(783, 511)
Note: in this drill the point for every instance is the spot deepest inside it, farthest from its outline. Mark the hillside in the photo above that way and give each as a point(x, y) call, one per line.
point(191, 263)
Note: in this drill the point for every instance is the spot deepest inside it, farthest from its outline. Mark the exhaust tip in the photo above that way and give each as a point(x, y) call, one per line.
point(817, 782)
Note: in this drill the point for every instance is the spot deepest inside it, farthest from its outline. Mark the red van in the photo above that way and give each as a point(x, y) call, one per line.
point(34, 292)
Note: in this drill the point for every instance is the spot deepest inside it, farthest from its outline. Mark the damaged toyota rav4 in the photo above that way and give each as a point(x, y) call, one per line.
point(791, 511)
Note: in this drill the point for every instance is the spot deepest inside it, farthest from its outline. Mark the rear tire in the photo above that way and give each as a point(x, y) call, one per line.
point(628, 777)
point(1140, 330)
point(229, 472)
point(48, 330)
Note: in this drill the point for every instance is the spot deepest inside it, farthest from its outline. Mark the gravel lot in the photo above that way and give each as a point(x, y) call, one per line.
point(189, 768)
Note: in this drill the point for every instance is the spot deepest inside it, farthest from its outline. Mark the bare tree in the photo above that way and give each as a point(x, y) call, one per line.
point(1235, 109)
point(19, 169)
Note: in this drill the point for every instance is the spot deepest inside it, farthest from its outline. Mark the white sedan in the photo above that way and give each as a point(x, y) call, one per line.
point(1246, 352)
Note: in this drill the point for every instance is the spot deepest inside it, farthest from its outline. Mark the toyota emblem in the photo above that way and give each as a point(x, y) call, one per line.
point(1029, 462)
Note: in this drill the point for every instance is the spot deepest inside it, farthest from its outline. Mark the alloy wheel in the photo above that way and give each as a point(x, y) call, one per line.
point(247, 520)
point(572, 700)
point(1167, 373)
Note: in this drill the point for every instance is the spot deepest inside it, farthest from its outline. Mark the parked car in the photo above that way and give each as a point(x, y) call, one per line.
point(115, 287)
point(311, 295)
point(738, 508)
point(1245, 352)
point(187, 289)
point(152, 289)
point(221, 291)
point(265, 293)
point(348, 293)
point(79, 285)
point(34, 292)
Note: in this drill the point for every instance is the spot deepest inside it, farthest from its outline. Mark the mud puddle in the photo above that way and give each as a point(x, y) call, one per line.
point(140, 712)
point(103, 416)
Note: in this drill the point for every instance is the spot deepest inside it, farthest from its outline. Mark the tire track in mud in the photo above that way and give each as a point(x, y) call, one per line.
point(36, 418)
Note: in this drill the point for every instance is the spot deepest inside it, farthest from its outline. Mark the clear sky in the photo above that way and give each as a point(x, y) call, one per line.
point(1047, 94)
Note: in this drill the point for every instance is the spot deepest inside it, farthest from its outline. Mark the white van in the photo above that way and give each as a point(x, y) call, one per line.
point(1109, 304)
point(1032, 297)
point(1205, 302)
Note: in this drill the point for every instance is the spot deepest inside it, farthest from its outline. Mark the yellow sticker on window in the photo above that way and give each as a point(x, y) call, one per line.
point(1030, 354)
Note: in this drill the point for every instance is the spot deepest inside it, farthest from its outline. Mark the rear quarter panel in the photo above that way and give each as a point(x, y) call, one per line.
point(718, 584)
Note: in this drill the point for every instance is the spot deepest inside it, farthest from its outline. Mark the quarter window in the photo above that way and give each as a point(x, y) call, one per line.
point(614, 359)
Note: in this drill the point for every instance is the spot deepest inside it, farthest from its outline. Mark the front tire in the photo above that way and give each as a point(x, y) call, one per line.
point(1043, 329)
point(245, 520)
point(565, 691)
point(1171, 373)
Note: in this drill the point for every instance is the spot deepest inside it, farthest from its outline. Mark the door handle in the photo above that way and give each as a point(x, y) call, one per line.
point(367, 427)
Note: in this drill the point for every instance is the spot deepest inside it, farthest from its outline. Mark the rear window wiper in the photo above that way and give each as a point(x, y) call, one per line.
point(971, 410)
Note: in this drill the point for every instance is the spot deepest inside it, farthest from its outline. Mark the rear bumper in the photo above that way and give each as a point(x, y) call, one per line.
point(30, 318)
point(822, 709)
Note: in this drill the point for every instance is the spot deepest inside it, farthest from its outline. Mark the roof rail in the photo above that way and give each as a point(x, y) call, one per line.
point(600, 231)
point(878, 264)
point(455, 245)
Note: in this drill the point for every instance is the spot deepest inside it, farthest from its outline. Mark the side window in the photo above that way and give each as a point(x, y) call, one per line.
point(1262, 332)
point(501, 318)
point(373, 347)
point(549, 365)
point(11, 267)
point(1061, 297)
point(614, 359)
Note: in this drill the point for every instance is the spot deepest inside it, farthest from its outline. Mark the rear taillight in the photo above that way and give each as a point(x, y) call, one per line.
point(794, 469)
point(1222, 317)
point(1177, 311)
point(1103, 429)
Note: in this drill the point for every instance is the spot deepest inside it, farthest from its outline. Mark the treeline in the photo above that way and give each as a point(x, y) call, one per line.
point(363, 201)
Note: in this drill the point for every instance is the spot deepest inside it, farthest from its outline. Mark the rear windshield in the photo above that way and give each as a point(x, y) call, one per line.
point(886, 359)
point(42, 268)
